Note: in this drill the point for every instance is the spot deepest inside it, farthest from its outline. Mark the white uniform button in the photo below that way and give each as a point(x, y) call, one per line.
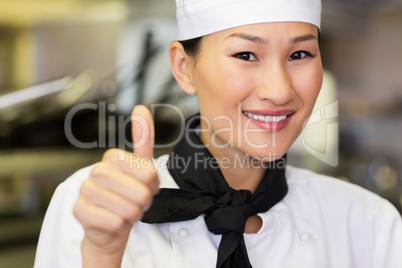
point(184, 233)
point(305, 236)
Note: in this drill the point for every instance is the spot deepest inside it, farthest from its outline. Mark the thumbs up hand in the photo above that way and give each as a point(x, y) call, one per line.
point(116, 195)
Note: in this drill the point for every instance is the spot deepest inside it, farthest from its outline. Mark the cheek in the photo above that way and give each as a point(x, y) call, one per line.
point(307, 85)
point(220, 83)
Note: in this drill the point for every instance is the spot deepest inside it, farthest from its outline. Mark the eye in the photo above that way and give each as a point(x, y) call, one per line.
point(298, 55)
point(246, 56)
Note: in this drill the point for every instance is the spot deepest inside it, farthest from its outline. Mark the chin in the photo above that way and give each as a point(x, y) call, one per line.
point(268, 154)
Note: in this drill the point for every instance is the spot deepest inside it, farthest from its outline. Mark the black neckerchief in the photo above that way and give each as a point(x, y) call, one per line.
point(205, 191)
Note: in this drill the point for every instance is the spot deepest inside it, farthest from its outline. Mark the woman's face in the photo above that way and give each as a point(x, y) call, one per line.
point(256, 86)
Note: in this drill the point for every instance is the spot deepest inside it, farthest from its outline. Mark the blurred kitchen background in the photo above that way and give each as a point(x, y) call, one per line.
point(71, 70)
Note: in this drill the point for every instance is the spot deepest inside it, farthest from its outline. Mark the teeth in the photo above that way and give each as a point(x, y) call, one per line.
point(267, 118)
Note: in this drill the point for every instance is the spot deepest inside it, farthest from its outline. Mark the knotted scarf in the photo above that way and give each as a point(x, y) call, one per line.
point(204, 190)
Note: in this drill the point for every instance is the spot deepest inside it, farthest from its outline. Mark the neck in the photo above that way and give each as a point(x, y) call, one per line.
point(242, 178)
point(240, 171)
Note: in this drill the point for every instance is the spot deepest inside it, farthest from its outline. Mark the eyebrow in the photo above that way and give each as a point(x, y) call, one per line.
point(302, 38)
point(263, 41)
point(249, 37)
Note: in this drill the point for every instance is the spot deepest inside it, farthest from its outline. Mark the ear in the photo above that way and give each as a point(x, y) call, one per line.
point(181, 65)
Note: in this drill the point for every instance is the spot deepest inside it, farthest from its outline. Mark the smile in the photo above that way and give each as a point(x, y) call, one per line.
point(265, 118)
point(268, 120)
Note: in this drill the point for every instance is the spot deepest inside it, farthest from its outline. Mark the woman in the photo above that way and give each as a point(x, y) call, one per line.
point(225, 196)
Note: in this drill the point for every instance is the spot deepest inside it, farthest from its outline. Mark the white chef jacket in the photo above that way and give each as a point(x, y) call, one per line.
point(321, 223)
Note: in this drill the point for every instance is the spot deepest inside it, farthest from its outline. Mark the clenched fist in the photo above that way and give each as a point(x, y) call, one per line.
point(116, 195)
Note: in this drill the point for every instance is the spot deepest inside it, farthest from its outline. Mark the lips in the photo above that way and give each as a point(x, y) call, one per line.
point(265, 118)
point(269, 120)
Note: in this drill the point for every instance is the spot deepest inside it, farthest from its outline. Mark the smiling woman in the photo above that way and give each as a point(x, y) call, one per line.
point(226, 197)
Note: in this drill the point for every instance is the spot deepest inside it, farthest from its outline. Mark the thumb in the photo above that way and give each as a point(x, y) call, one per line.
point(142, 130)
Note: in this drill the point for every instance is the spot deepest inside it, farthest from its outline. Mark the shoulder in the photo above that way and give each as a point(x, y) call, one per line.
point(359, 222)
point(303, 181)
point(299, 178)
point(335, 195)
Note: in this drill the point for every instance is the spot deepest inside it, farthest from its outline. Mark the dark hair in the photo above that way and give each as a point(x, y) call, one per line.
point(192, 47)
point(319, 38)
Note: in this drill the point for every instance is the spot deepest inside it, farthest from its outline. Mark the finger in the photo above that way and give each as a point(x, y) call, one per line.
point(142, 131)
point(95, 217)
point(142, 169)
point(111, 201)
point(122, 184)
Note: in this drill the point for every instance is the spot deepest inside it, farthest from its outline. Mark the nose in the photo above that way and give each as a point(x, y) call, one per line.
point(275, 84)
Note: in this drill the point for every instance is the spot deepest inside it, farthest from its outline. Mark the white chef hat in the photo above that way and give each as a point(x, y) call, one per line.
point(197, 18)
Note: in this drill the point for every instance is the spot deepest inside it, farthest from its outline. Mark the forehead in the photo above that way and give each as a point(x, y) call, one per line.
point(268, 31)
